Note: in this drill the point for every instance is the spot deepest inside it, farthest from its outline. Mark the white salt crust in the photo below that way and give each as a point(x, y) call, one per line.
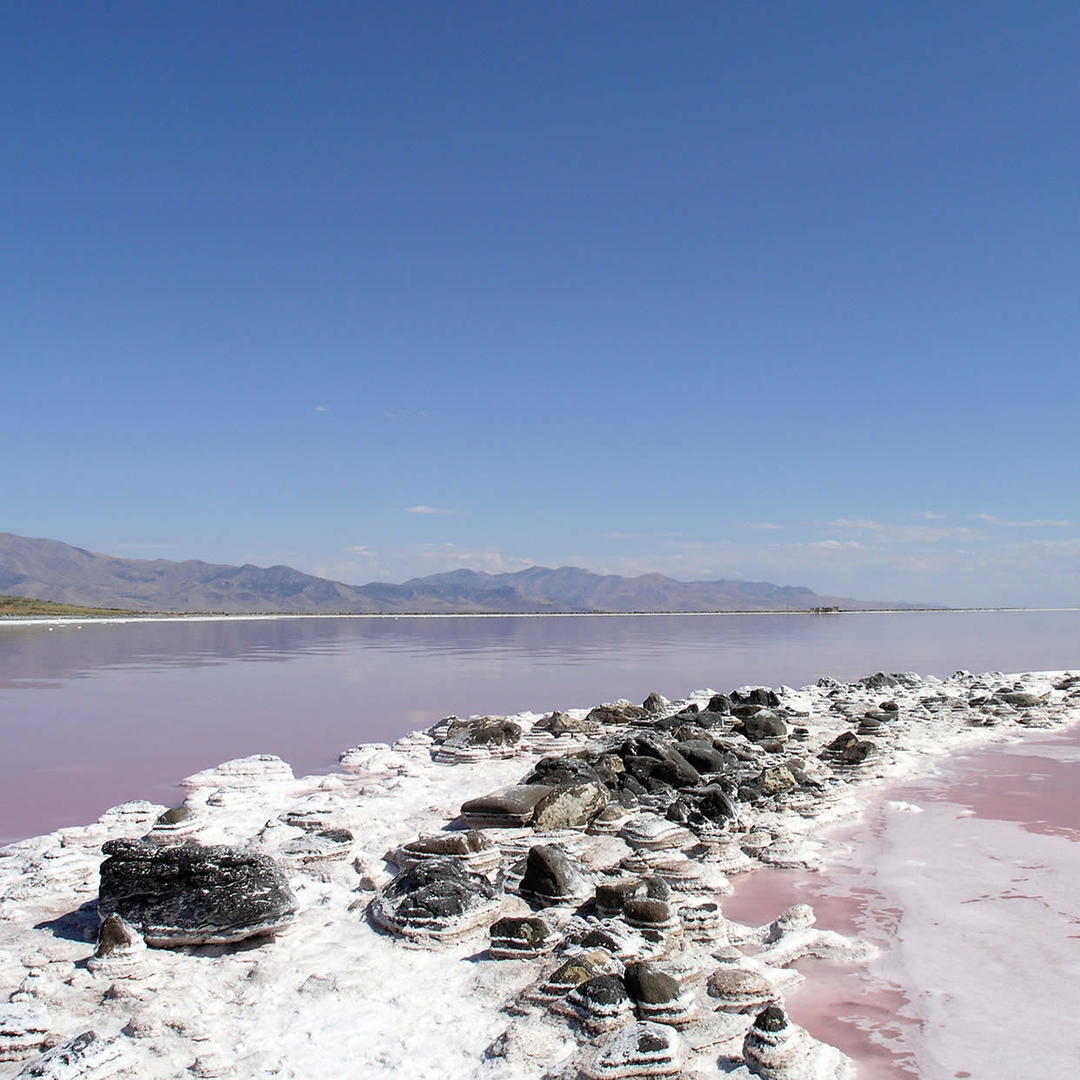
point(334, 996)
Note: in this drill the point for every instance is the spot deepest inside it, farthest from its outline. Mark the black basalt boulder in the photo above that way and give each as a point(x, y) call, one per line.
point(193, 895)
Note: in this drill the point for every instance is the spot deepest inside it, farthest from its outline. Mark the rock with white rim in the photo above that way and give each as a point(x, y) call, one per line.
point(88, 1056)
point(24, 1029)
point(552, 877)
point(254, 771)
point(598, 1005)
point(436, 902)
point(658, 996)
point(508, 808)
point(639, 1051)
point(472, 848)
point(740, 990)
point(120, 950)
point(522, 937)
point(193, 895)
point(776, 1049)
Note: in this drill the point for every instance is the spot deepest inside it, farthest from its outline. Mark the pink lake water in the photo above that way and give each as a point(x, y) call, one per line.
point(972, 899)
point(95, 714)
point(967, 882)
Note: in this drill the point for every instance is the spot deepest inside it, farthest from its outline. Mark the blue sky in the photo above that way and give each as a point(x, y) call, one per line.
point(779, 291)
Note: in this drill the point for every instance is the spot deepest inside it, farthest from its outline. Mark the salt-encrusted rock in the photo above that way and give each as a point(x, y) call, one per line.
point(570, 806)
point(726, 855)
point(755, 841)
point(648, 913)
point(255, 771)
point(610, 820)
point(560, 769)
point(704, 922)
point(763, 725)
point(136, 815)
point(471, 848)
point(658, 996)
point(611, 896)
point(599, 1004)
point(508, 808)
point(637, 1052)
point(316, 813)
point(792, 853)
point(119, 952)
point(652, 832)
point(327, 846)
point(740, 990)
point(436, 901)
point(776, 1049)
point(552, 877)
point(192, 895)
point(174, 826)
point(655, 703)
point(621, 712)
point(88, 1056)
point(24, 1029)
point(478, 739)
point(572, 972)
point(522, 938)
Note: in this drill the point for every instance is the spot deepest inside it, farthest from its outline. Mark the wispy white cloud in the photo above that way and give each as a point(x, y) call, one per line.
point(929, 515)
point(361, 550)
point(427, 510)
point(769, 526)
point(320, 408)
point(1030, 523)
point(854, 523)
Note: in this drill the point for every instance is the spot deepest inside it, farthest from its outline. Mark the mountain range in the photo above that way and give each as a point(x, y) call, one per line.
point(52, 570)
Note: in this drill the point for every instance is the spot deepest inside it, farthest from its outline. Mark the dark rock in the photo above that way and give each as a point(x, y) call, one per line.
point(653, 704)
point(703, 756)
point(520, 937)
point(560, 723)
point(889, 706)
point(615, 714)
point(856, 753)
point(564, 769)
point(698, 805)
point(760, 695)
point(570, 806)
point(174, 816)
point(645, 982)
point(611, 896)
point(436, 901)
point(771, 1019)
point(114, 936)
point(763, 725)
point(192, 895)
point(719, 703)
point(551, 876)
point(507, 808)
point(483, 731)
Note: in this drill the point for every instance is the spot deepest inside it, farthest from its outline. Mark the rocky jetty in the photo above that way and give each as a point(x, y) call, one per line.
point(536, 896)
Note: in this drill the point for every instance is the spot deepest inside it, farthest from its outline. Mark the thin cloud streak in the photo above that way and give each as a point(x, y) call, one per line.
point(427, 510)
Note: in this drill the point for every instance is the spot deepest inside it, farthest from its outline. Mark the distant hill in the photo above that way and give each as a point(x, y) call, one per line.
point(53, 571)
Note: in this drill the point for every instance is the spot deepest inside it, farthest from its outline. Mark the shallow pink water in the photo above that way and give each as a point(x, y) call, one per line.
point(92, 716)
point(1035, 785)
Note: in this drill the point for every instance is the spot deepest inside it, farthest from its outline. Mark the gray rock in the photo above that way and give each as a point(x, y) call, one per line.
point(552, 877)
point(436, 901)
point(193, 895)
point(508, 808)
point(571, 806)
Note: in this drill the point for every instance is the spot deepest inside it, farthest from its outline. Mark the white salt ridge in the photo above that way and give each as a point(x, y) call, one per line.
point(331, 996)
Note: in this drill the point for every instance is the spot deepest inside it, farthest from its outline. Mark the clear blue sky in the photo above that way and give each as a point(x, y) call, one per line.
point(617, 284)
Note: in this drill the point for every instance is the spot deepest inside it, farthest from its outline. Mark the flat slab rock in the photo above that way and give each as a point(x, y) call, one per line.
point(193, 895)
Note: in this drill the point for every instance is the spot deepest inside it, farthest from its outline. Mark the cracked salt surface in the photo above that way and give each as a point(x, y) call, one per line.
point(332, 995)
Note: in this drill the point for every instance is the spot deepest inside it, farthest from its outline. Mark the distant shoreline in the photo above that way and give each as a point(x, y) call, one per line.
point(163, 617)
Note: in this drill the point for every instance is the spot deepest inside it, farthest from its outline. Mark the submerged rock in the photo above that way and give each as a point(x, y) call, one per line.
point(192, 895)
point(435, 902)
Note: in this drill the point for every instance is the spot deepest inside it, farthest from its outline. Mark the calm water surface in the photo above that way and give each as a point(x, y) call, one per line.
point(94, 714)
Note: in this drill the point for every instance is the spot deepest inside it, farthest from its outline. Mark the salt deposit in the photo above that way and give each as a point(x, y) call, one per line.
point(350, 926)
